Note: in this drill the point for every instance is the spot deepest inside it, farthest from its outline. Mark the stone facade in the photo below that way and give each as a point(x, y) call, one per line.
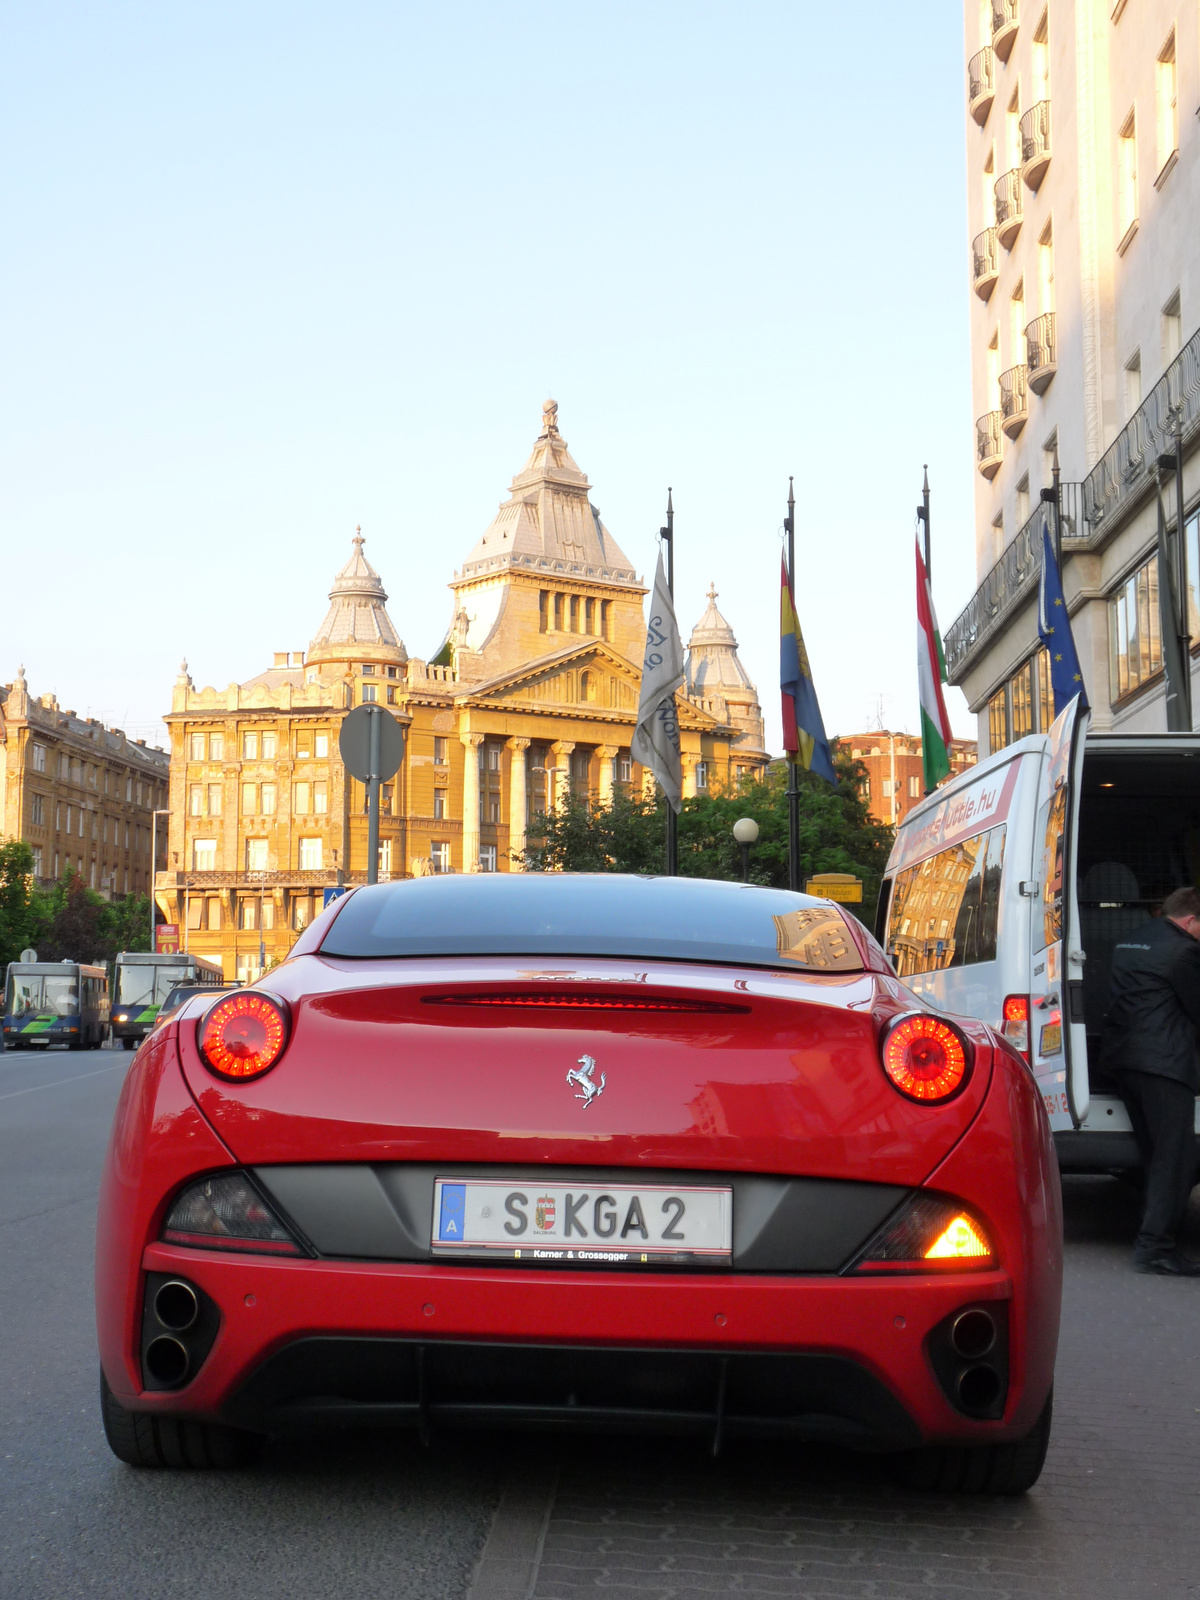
point(81, 795)
point(895, 777)
point(532, 694)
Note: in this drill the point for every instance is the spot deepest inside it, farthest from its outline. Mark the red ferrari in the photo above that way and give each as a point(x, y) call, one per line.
point(593, 1152)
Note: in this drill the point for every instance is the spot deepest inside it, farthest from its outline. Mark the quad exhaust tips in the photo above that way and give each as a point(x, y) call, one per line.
point(179, 1325)
point(167, 1361)
point(176, 1305)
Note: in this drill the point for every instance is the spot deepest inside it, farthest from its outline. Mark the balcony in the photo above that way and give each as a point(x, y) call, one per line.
point(981, 83)
point(1041, 352)
point(1014, 400)
point(985, 259)
point(1004, 27)
point(989, 443)
point(1035, 143)
point(1010, 582)
point(1009, 212)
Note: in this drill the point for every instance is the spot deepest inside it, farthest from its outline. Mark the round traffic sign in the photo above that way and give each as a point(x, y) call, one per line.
point(354, 742)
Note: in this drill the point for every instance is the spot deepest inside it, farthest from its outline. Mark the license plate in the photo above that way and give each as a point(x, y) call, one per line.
point(1050, 1043)
point(613, 1224)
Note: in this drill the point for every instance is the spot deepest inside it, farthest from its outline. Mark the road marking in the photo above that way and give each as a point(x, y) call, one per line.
point(59, 1082)
point(508, 1567)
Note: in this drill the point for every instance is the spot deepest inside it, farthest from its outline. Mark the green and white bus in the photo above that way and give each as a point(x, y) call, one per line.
point(141, 984)
point(55, 1002)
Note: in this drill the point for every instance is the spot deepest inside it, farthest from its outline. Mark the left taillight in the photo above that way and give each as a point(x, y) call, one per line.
point(228, 1213)
point(929, 1233)
point(243, 1035)
point(925, 1057)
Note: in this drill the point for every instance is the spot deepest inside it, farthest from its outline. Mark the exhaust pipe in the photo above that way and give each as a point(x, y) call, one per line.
point(167, 1361)
point(979, 1388)
point(973, 1334)
point(176, 1306)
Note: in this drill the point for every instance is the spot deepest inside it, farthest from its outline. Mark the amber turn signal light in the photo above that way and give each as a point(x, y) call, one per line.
point(925, 1057)
point(243, 1036)
point(929, 1233)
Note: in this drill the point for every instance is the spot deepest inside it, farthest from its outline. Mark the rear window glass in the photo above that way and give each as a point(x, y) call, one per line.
point(560, 914)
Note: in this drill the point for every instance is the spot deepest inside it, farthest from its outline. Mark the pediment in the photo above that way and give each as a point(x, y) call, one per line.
point(590, 676)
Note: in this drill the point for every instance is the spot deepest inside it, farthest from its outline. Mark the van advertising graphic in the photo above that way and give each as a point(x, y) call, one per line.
point(970, 811)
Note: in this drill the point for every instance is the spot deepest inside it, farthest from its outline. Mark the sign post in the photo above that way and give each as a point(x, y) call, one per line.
point(371, 742)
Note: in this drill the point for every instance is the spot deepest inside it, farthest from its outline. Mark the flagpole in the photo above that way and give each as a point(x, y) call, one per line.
point(923, 515)
point(668, 536)
point(793, 788)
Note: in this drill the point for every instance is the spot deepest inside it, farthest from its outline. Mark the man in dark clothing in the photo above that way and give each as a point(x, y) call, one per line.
point(1150, 1043)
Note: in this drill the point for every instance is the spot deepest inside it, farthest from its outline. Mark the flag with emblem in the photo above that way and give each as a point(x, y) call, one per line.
point(804, 738)
point(1054, 630)
point(655, 741)
point(931, 674)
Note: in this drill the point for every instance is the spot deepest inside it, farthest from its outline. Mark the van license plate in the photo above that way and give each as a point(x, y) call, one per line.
point(613, 1224)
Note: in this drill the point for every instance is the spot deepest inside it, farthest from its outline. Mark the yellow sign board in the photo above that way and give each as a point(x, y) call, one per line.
point(843, 886)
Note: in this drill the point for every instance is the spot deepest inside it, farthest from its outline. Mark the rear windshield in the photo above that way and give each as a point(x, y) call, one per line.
point(560, 914)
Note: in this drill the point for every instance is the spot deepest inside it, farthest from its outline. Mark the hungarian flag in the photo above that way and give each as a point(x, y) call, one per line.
point(803, 730)
point(931, 671)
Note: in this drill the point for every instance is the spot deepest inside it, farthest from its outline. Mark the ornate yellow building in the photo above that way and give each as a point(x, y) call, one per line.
point(533, 693)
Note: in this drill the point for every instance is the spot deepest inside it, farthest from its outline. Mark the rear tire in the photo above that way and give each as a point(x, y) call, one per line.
point(979, 1468)
point(141, 1439)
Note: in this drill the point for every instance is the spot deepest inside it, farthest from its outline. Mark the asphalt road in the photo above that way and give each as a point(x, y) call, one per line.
point(485, 1516)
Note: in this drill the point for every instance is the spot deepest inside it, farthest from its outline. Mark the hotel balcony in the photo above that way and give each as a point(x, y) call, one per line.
point(989, 443)
point(1004, 27)
point(1041, 352)
point(985, 258)
point(1014, 399)
point(981, 83)
point(1035, 143)
point(1008, 206)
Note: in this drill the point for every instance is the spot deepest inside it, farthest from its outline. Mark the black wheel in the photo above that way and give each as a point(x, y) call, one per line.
point(141, 1439)
point(979, 1468)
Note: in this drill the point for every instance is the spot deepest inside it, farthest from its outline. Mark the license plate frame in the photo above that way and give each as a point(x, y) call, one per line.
point(562, 1222)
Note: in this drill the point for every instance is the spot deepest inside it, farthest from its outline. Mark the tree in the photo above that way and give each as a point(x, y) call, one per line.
point(129, 923)
point(19, 921)
point(77, 922)
point(837, 833)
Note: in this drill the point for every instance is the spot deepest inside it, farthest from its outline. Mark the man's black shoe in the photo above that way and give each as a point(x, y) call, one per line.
point(1169, 1265)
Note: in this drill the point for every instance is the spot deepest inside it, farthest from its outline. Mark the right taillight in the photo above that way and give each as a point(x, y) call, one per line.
point(1015, 1023)
point(926, 1058)
point(929, 1233)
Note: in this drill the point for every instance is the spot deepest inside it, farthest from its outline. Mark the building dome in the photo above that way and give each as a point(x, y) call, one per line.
point(715, 672)
point(357, 623)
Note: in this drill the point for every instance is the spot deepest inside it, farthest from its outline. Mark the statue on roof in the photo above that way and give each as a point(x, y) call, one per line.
point(549, 417)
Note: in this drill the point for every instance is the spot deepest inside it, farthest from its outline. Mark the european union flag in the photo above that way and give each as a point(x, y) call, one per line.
point(1054, 630)
point(453, 1213)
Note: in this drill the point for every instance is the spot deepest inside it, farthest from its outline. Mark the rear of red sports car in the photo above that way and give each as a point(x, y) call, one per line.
point(553, 1151)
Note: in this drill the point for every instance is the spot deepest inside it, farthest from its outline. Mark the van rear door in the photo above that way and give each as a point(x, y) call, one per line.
point(1057, 1034)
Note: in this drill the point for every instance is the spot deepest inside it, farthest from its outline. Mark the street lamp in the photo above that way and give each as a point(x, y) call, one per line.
point(745, 831)
point(154, 816)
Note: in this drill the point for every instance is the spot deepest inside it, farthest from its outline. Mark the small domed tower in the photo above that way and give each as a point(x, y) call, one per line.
point(714, 672)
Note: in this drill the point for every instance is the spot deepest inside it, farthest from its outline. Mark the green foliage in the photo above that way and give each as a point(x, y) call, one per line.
point(837, 833)
point(19, 922)
point(68, 921)
point(129, 926)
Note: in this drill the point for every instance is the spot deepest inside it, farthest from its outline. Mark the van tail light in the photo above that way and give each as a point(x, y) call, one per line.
point(926, 1058)
point(228, 1213)
point(929, 1233)
point(243, 1036)
point(1015, 1024)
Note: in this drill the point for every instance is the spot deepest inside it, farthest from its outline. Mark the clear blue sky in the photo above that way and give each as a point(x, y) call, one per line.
point(274, 270)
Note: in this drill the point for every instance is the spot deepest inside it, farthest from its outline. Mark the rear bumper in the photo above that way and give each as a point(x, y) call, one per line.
point(399, 1344)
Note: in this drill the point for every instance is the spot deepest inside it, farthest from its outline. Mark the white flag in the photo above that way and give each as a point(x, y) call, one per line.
point(655, 740)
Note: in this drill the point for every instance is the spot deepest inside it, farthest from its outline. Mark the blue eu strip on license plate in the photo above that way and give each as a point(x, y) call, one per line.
point(452, 1212)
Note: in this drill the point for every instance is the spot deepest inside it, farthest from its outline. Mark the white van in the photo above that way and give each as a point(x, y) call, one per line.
point(1007, 890)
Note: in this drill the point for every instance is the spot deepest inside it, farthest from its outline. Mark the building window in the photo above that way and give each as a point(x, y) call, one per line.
point(68, 819)
point(385, 799)
point(1127, 177)
point(543, 611)
point(321, 746)
point(494, 809)
point(368, 669)
point(39, 758)
point(1022, 701)
point(301, 911)
point(248, 912)
point(300, 801)
point(487, 858)
point(129, 790)
point(248, 969)
point(914, 788)
point(197, 747)
point(204, 855)
point(270, 745)
point(1044, 691)
point(37, 860)
point(559, 602)
point(1133, 383)
point(256, 855)
point(606, 619)
point(441, 757)
point(250, 747)
point(574, 613)
point(493, 758)
point(369, 693)
point(267, 912)
point(310, 855)
point(391, 694)
point(887, 787)
point(37, 808)
point(214, 799)
point(1172, 330)
point(589, 616)
point(249, 799)
point(439, 805)
point(439, 854)
point(214, 913)
point(1134, 644)
point(1165, 104)
point(320, 799)
point(624, 768)
point(998, 720)
point(702, 775)
point(195, 913)
point(216, 747)
point(268, 799)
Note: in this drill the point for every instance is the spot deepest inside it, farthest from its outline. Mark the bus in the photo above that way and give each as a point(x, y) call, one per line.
point(55, 1002)
point(143, 981)
point(1008, 890)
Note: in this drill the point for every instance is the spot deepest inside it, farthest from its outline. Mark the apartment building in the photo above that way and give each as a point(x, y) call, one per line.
point(895, 770)
point(81, 795)
point(1083, 160)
